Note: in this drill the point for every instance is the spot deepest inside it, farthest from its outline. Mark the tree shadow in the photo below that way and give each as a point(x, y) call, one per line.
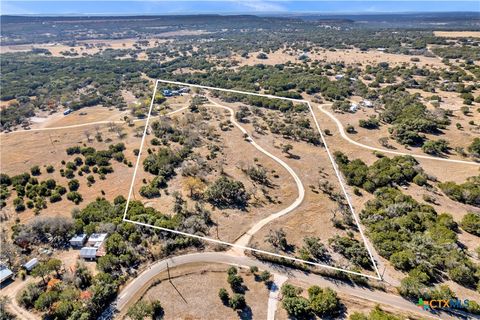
point(245, 313)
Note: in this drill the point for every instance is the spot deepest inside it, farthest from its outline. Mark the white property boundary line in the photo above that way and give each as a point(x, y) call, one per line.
point(378, 277)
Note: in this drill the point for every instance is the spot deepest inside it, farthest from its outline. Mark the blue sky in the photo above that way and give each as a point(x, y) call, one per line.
point(234, 6)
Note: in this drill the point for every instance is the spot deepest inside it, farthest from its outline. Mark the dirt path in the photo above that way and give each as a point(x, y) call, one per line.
point(273, 298)
point(92, 123)
point(341, 129)
point(247, 236)
point(12, 291)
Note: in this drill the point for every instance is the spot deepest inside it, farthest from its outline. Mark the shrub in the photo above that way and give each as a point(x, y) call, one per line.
point(323, 301)
point(75, 197)
point(73, 185)
point(471, 223)
point(237, 301)
point(225, 192)
point(224, 296)
point(55, 197)
point(35, 170)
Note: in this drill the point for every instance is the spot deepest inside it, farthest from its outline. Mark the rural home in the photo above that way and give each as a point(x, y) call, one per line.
point(88, 253)
point(96, 239)
point(78, 240)
point(5, 274)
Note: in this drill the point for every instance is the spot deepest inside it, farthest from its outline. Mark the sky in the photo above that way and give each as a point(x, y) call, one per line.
point(151, 7)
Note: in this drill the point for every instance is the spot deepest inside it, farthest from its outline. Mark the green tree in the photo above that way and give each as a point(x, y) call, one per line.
point(41, 270)
point(54, 265)
point(474, 147)
point(471, 223)
point(140, 310)
point(297, 307)
point(323, 301)
point(223, 295)
point(237, 301)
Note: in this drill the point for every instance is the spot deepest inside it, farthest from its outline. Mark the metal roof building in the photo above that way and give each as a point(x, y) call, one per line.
point(31, 264)
point(88, 253)
point(5, 274)
point(96, 239)
point(78, 240)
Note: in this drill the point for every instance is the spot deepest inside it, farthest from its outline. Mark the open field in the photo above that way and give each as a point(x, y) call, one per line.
point(315, 214)
point(348, 56)
point(456, 137)
point(457, 34)
point(82, 48)
point(192, 293)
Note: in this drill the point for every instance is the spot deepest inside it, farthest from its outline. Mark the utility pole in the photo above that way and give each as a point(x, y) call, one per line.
point(168, 271)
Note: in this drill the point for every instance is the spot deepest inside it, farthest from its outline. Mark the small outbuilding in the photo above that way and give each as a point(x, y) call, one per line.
point(5, 274)
point(367, 103)
point(353, 107)
point(31, 264)
point(88, 253)
point(78, 240)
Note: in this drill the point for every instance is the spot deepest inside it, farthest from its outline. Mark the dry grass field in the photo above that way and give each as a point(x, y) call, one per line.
point(348, 56)
point(89, 47)
point(231, 223)
point(457, 34)
point(457, 137)
point(192, 293)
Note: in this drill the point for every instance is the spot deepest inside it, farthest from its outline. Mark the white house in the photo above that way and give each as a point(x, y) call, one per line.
point(367, 103)
point(96, 239)
point(78, 240)
point(88, 253)
point(353, 107)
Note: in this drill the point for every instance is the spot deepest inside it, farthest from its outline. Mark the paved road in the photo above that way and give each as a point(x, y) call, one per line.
point(247, 236)
point(140, 284)
point(346, 137)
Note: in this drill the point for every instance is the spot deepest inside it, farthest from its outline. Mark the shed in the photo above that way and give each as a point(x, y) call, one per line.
point(5, 274)
point(31, 264)
point(367, 103)
point(88, 253)
point(96, 239)
point(78, 240)
point(353, 107)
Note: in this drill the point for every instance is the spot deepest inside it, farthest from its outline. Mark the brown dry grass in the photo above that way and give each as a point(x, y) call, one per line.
point(98, 45)
point(21, 151)
point(457, 34)
point(232, 223)
point(193, 293)
point(457, 138)
point(348, 56)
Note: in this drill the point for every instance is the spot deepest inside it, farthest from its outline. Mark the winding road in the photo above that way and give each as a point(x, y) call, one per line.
point(236, 255)
point(420, 156)
point(141, 283)
point(247, 236)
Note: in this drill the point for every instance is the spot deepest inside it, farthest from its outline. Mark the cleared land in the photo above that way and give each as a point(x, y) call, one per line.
point(457, 34)
point(321, 210)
